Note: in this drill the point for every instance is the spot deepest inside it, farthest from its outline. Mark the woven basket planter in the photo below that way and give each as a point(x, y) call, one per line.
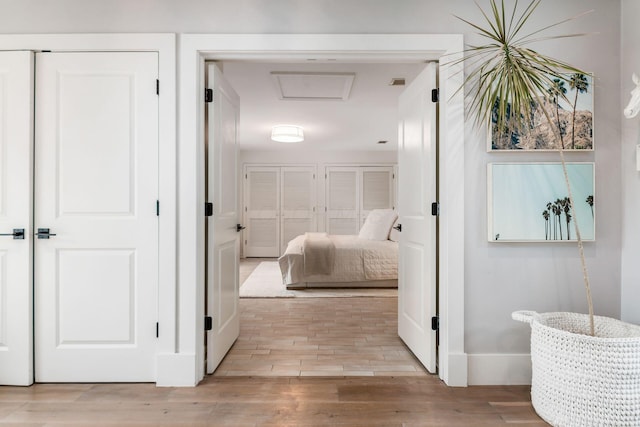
point(580, 380)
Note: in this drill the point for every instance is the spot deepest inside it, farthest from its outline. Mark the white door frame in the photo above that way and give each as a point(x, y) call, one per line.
point(196, 48)
point(165, 45)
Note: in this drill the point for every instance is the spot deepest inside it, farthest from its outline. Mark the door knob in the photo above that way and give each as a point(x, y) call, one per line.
point(239, 227)
point(398, 227)
point(18, 234)
point(43, 233)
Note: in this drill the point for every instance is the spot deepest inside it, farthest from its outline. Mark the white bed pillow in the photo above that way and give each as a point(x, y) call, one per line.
point(378, 224)
point(394, 235)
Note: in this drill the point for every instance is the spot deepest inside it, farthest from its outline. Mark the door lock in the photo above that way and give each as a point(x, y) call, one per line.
point(18, 234)
point(43, 233)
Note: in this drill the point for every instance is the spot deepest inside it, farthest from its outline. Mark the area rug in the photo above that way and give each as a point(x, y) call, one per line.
point(266, 282)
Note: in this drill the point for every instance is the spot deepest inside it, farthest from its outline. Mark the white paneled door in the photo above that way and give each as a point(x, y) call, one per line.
point(96, 189)
point(416, 192)
point(223, 240)
point(16, 142)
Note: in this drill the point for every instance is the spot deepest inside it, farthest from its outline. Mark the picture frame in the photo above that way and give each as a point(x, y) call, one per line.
point(519, 194)
point(579, 90)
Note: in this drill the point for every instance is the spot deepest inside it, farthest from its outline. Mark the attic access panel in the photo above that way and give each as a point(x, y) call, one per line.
point(295, 85)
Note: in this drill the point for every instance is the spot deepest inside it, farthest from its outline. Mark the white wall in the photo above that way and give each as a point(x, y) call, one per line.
point(630, 175)
point(499, 278)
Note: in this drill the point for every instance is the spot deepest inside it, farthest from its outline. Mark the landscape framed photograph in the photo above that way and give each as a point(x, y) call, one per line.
point(571, 115)
point(528, 202)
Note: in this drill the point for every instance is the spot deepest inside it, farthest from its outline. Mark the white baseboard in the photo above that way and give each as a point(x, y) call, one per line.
point(456, 372)
point(177, 370)
point(499, 369)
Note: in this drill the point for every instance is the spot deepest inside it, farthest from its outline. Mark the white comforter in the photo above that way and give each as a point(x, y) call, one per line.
point(356, 260)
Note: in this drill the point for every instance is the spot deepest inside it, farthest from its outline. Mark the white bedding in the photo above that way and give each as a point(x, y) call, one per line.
point(358, 262)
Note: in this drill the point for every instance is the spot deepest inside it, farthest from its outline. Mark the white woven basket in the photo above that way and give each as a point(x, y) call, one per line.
point(581, 380)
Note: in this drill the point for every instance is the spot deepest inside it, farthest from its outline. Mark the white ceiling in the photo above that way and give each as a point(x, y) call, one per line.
point(368, 115)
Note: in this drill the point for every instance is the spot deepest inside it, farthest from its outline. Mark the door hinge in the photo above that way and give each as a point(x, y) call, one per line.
point(208, 95)
point(435, 95)
point(435, 323)
point(157, 330)
point(157, 87)
point(208, 323)
point(208, 209)
point(435, 209)
point(157, 207)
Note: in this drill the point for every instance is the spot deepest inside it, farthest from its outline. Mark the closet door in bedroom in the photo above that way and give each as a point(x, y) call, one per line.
point(262, 211)
point(279, 205)
point(342, 200)
point(377, 190)
point(353, 192)
point(298, 198)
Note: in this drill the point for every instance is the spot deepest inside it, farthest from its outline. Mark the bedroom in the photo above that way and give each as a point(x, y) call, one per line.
point(342, 138)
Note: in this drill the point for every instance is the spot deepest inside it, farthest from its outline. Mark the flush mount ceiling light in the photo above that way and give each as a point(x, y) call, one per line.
point(287, 133)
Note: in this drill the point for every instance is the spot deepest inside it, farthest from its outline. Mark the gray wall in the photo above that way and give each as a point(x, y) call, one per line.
point(499, 278)
point(630, 175)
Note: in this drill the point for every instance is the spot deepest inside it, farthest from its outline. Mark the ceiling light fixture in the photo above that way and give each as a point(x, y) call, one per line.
point(287, 133)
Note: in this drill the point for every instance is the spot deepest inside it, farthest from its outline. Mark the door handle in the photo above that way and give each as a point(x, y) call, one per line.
point(18, 234)
point(398, 227)
point(43, 233)
point(239, 227)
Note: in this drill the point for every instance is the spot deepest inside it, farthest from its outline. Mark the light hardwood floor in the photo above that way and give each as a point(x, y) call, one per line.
point(321, 391)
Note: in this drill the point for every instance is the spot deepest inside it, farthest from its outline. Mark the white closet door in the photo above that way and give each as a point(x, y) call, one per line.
point(377, 189)
point(96, 186)
point(16, 142)
point(298, 198)
point(342, 200)
point(262, 205)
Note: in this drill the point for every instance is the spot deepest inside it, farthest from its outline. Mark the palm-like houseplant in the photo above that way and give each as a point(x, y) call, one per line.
point(510, 83)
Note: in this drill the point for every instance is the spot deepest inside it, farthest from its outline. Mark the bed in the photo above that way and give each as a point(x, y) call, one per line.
point(321, 260)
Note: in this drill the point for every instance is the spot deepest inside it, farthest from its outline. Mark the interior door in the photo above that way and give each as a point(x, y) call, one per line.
point(262, 211)
point(342, 200)
point(16, 181)
point(298, 200)
point(223, 237)
point(416, 192)
point(96, 186)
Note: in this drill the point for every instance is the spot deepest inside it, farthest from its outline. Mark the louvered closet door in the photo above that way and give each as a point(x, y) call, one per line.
point(377, 190)
point(298, 195)
point(262, 200)
point(342, 200)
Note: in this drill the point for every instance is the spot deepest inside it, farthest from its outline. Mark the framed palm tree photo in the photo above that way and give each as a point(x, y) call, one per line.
point(528, 202)
point(568, 104)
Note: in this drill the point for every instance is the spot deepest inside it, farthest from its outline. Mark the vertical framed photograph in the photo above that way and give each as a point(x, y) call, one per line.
point(528, 202)
point(571, 118)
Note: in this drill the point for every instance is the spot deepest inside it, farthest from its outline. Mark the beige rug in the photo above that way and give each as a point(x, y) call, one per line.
point(266, 282)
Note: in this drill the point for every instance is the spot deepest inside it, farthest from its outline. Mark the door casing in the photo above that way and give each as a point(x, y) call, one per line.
point(196, 48)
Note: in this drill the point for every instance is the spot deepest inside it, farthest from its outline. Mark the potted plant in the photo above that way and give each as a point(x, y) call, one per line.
point(585, 368)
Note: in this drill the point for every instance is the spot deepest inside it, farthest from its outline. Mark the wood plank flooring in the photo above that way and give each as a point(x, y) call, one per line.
point(269, 402)
point(320, 391)
point(319, 337)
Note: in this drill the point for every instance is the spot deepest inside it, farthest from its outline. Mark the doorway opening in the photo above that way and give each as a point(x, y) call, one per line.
point(195, 49)
point(239, 75)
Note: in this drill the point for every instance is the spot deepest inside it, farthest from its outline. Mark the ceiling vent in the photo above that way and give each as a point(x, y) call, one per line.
point(314, 86)
point(397, 81)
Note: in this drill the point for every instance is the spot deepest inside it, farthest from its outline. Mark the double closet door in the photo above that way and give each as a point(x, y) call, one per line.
point(279, 204)
point(78, 196)
point(353, 192)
